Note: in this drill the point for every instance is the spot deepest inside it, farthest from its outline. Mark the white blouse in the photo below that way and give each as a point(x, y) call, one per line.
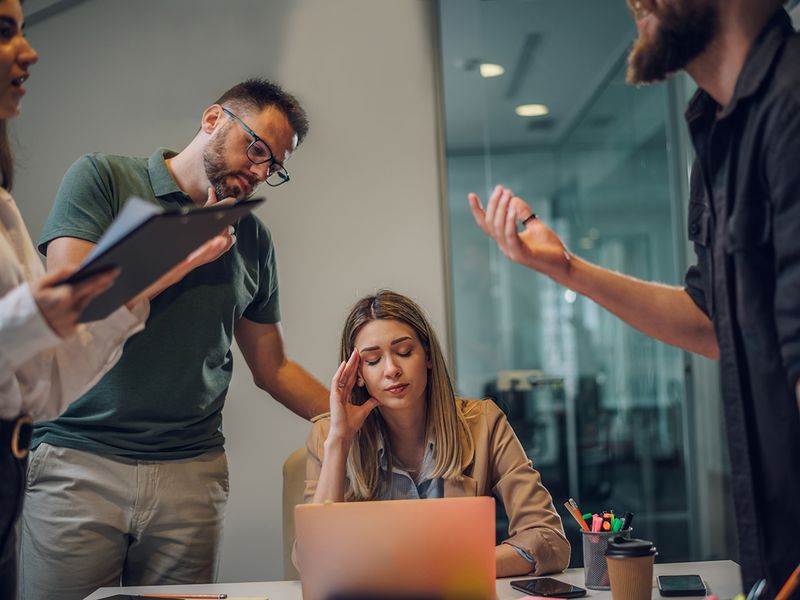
point(40, 372)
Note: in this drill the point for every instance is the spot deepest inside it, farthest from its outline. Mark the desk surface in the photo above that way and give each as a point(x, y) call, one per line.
point(721, 578)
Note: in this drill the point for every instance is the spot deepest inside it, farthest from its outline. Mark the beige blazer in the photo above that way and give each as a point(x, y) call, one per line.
point(498, 467)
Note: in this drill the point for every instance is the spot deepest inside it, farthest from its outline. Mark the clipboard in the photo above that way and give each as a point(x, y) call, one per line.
point(145, 241)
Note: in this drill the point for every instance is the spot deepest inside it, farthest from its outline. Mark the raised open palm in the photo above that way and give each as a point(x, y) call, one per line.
point(536, 247)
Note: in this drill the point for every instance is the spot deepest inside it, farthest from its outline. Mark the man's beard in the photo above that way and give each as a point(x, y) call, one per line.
point(684, 30)
point(217, 170)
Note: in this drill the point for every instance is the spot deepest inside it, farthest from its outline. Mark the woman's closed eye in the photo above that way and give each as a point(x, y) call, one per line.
point(370, 360)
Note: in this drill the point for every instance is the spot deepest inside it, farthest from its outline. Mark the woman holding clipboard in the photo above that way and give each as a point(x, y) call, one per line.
point(47, 360)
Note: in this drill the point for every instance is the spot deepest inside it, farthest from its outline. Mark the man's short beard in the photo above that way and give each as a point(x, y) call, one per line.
point(216, 168)
point(684, 31)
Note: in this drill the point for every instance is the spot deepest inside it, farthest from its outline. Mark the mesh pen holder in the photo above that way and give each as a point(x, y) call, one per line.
point(595, 568)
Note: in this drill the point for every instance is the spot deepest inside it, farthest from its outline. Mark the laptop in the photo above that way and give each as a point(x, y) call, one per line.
point(438, 549)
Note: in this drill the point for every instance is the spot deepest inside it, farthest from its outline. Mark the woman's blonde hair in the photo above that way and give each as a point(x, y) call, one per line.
point(446, 425)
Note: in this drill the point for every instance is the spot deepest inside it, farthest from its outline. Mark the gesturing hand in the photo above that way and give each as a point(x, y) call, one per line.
point(537, 247)
point(62, 305)
point(346, 417)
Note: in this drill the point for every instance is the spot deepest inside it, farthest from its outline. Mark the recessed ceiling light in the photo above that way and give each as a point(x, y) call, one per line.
point(532, 110)
point(491, 70)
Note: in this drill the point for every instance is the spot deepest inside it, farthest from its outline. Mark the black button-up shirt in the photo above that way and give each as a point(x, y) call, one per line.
point(744, 220)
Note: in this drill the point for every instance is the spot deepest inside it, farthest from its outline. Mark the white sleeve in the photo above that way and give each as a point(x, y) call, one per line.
point(45, 384)
point(23, 331)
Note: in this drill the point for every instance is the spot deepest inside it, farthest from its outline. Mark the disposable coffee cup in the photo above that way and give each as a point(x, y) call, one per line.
point(630, 568)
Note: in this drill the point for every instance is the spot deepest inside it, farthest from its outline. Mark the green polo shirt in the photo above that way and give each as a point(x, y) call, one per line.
point(163, 399)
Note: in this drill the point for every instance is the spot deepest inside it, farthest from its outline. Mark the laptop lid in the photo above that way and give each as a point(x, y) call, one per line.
point(435, 548)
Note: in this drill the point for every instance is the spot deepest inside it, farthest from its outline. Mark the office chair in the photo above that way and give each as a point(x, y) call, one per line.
point(294, 483)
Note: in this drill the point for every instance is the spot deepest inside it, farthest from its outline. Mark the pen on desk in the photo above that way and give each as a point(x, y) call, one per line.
point(188, 596)
point(790, 586)
point(572, 510)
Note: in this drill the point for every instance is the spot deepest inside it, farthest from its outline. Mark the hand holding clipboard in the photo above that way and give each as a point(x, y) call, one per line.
point(149, 246)
point(208, 252)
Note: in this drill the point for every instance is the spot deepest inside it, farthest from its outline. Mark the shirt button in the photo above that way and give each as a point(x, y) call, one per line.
point(694, 229)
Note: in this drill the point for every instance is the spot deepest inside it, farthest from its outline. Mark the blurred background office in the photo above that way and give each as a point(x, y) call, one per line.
point(535, 98)
point(413, 103)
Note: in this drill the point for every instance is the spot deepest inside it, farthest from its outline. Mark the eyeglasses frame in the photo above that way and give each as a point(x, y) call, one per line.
point(257, 139)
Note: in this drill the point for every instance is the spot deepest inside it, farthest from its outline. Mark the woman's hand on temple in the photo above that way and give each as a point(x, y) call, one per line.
point(346, 417)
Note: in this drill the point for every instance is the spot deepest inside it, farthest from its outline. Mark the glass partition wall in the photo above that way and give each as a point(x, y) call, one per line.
point(608, 415)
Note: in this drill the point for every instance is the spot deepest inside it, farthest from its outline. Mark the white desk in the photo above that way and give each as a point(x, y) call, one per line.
point(721, 578)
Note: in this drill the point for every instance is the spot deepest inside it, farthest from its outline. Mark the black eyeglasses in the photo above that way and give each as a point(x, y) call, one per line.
point(259, 152)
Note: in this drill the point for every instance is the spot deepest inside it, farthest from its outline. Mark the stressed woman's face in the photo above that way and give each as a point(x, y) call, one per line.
point(16, 56)
point(394, 363)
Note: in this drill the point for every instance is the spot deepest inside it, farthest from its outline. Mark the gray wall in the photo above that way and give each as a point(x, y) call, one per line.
point(362, 210)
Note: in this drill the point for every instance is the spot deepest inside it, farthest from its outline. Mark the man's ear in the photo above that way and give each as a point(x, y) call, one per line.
point(212, 118)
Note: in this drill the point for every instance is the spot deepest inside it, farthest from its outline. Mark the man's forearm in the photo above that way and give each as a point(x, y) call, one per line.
point(664, 312)
point(297, 390)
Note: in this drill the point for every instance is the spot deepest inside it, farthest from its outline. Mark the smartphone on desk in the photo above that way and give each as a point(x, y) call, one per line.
point(681, 585)
point(548, 587)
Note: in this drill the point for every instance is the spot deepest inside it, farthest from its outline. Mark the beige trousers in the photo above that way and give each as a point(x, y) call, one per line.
point(91, 521)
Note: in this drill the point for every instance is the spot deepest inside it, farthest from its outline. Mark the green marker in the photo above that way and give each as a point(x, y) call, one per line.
point(617, 525)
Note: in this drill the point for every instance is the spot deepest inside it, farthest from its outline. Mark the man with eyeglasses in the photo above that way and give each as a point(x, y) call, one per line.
point(129, 485)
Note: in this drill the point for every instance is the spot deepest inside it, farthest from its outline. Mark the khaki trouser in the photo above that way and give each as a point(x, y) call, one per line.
point(91, 521)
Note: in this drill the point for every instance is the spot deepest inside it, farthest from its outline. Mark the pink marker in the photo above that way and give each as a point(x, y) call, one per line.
point(597, 523)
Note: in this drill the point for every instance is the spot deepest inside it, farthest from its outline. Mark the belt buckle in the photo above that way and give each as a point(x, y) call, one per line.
point(23, 428)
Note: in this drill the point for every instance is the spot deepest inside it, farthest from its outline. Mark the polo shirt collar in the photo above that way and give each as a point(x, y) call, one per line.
point(755, 70)
point(160, 178)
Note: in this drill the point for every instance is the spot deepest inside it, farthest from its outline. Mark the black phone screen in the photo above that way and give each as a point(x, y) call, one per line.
point(547, 586)
point(681, 585)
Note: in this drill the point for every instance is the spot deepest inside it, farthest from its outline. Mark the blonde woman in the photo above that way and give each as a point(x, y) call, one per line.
point(396, 431)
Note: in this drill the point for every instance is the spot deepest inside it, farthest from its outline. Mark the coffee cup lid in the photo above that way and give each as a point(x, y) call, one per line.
point(621, 547)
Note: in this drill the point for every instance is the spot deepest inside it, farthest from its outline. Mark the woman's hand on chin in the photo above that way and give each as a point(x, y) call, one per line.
point(346, 417)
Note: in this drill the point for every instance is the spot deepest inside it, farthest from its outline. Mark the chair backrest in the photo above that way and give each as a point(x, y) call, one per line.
point(294, 483)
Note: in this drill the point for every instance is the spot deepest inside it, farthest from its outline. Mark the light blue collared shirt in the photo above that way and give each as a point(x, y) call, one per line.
point(402, 485)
